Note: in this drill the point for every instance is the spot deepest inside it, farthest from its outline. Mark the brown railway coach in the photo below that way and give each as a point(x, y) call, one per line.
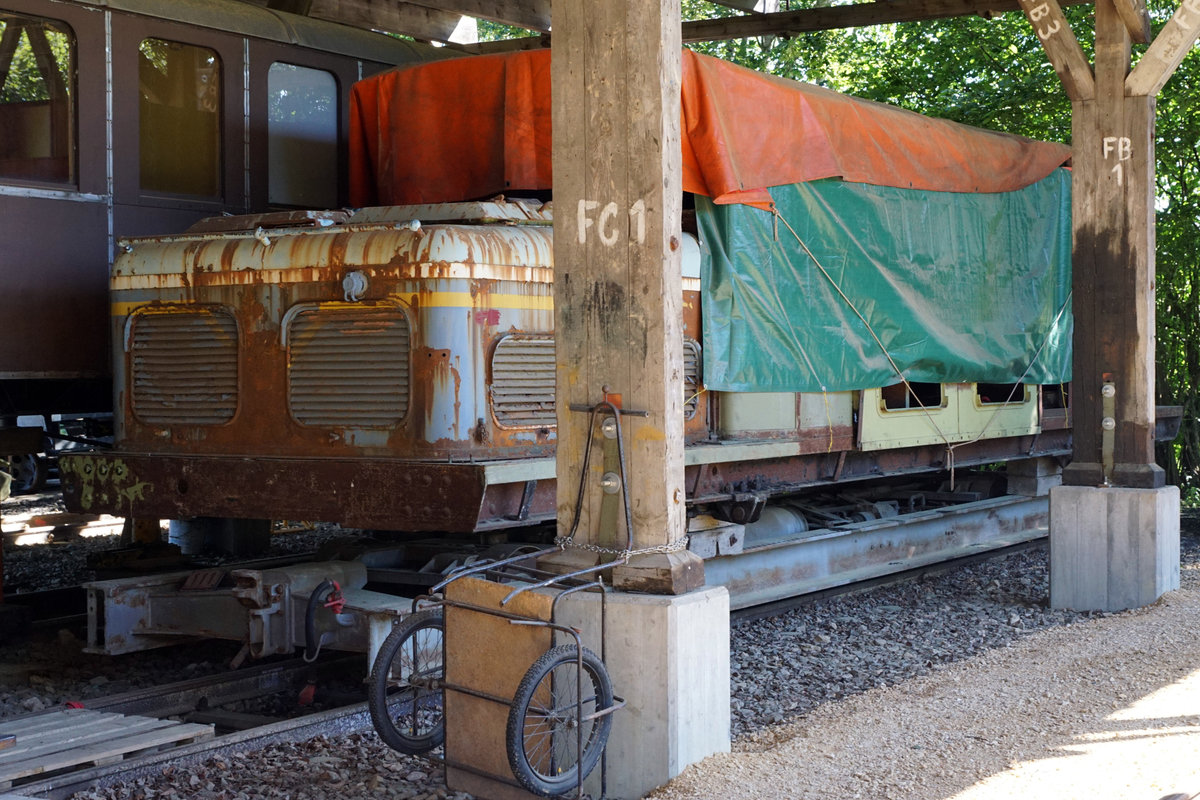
point(122, 118)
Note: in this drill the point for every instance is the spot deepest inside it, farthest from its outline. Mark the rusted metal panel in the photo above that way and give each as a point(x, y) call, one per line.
point(456, 309)
point(274, 219)
point(717, 479)
point(363, 493)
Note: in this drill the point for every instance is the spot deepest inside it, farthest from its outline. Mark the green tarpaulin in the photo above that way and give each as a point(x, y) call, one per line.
point(956, 287)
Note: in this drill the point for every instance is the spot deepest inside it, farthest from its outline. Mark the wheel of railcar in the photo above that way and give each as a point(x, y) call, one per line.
point(551, 717)
point(406, 699)
point(28, 472)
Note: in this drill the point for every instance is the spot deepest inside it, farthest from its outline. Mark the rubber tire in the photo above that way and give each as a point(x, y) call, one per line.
point(29, 473)
point(426, 734)
point(559, 663)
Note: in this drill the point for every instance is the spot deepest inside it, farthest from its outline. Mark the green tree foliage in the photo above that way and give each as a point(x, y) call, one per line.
point(23, 81)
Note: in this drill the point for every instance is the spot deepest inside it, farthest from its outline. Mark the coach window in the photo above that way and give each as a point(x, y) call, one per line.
point(179, 118)
point(913, 394)
point(37, 100)
point(302, 134)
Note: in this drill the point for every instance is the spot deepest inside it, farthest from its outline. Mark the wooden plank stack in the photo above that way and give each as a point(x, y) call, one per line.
point(73, 738)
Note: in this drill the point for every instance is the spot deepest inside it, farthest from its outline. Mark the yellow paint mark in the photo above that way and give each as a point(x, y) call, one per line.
point(465, 300)
point(125, 309)
point(648, 433)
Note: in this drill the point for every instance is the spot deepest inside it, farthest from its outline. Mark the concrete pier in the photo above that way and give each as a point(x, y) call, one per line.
point(668, 656)
point(1112, 548)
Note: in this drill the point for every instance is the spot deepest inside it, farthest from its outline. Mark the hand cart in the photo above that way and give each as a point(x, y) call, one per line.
point(557, 720)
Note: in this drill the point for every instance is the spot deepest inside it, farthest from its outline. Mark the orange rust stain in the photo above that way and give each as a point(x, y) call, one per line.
point(228, 255)
point(337, 249)
point(429, 371)
point(457, 376)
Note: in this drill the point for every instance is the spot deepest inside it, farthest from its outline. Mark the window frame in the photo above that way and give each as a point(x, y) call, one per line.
point(333, 192)
point(74, 148)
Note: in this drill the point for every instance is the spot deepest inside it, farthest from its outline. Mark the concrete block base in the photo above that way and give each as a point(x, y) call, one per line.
point(668, 656)
point(1112, 548)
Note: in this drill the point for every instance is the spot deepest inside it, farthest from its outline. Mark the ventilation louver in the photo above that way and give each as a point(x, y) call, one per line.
point(348, 367)
point(184, 367)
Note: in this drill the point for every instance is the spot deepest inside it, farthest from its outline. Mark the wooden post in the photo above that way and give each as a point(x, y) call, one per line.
point(1113, 209)
point(618, 290)
point(1112, 131)
point(1114, 526)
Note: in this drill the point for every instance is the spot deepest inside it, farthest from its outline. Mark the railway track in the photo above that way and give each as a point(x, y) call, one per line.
point(752, 613)
point(213, 700)
point(123, 737)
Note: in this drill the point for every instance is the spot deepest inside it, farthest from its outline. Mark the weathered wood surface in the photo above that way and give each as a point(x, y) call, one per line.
point(74, 738)
point(487, 653)
point(1136, 18)
point(1166, 52)
point(416, 21)
point(1113, 257)
point(1062, 48)
point(618, 287)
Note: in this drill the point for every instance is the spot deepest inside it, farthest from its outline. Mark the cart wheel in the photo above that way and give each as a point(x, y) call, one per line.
point(406, 698)
point(29, 473)
point(547, 715)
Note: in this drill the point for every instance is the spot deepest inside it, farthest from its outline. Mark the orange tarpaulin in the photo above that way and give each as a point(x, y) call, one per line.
point(476, 126)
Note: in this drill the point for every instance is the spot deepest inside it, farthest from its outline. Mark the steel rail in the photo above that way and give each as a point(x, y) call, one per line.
point(777, 607)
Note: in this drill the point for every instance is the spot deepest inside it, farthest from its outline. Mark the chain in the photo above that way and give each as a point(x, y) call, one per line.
point(567, 543)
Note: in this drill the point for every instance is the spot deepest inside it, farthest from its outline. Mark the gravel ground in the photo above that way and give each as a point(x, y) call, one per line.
point(806, 677)
point(1106, 707)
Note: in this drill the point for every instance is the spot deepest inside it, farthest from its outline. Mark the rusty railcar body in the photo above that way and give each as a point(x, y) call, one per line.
point(134, 118)
point(394, 369)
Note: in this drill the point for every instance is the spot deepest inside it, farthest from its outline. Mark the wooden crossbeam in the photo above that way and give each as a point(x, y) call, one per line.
point(854, 15)
point(1136, 18)
point(531, 14)
point(1061, 46)
point(421, 23)
point(1166, 52)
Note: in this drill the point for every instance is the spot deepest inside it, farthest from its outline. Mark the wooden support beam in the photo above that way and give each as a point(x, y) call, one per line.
point(618, 293)
point(506, 45)
point(419, 22)
point(1061, 46)
point(1167, 51)
point(1112, 388)
point(853, 15)
point(531, 14)
point(1136, 18)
